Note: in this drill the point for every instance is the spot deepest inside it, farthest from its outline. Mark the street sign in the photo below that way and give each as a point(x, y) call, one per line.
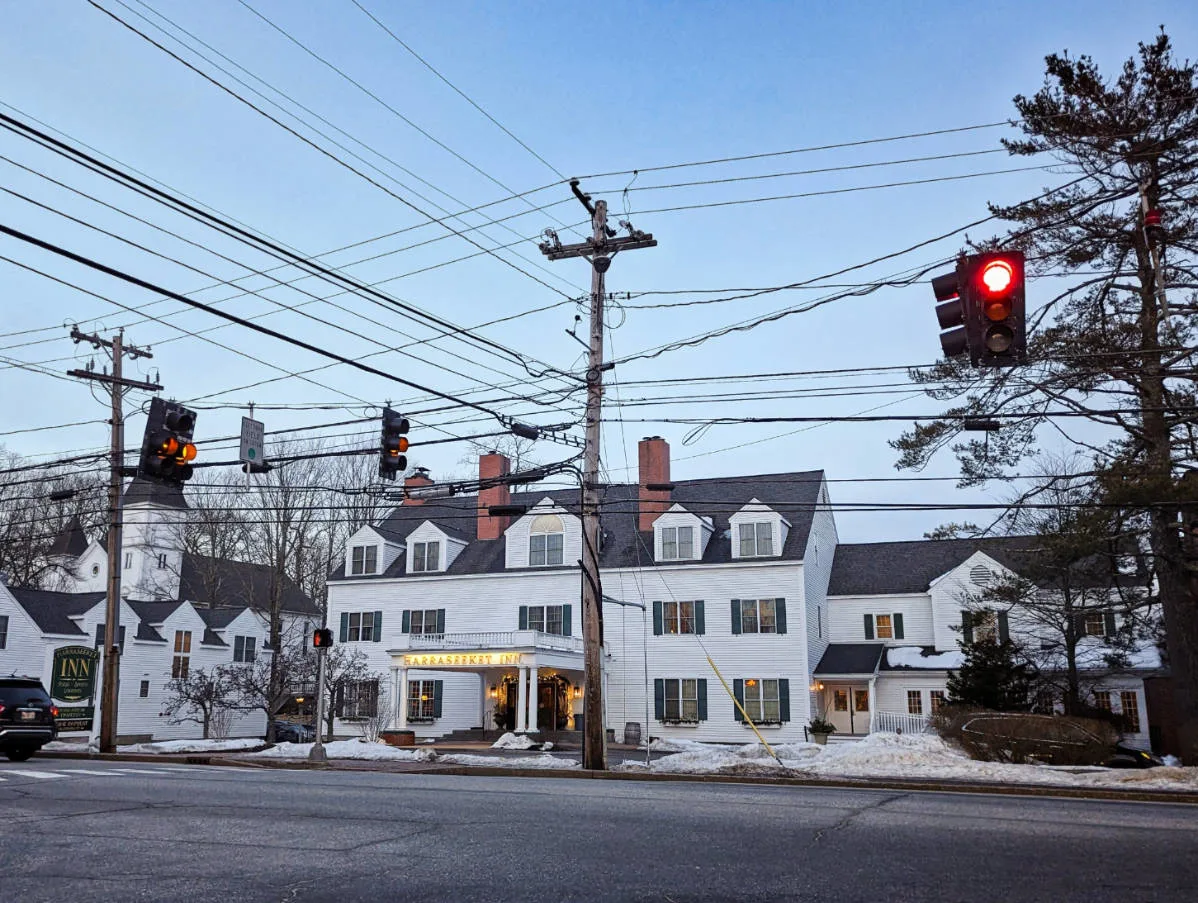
point(252, 439)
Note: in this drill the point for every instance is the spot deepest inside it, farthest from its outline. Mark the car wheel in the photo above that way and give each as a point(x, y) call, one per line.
point(20, 753)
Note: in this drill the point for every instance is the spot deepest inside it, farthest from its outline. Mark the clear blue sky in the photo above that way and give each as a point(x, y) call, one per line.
point(611, 87)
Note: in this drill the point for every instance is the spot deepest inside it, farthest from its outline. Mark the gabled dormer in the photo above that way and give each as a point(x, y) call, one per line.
point(547, 536)
point(679, 535)
point(369, 553)
point(431, 549)
point(757, 531)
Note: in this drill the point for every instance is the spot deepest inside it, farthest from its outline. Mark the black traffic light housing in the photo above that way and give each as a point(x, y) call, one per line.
point(322, 638)
point(994, 292)
point(167, 449)
point(951, 313)
point(392, 445)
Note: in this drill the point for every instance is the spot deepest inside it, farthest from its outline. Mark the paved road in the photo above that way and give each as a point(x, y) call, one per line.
point(82, 831)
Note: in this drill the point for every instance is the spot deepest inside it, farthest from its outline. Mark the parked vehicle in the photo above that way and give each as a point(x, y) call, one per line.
point(1130, 757)
point(293, 732)
point(26, 717)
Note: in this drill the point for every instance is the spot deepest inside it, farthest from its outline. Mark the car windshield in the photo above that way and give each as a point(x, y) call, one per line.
point(23, 694)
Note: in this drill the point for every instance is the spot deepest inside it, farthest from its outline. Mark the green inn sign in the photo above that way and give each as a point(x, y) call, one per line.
point(74, 676)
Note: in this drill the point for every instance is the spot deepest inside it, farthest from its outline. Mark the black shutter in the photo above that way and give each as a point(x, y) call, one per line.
point(869, 627)
point(784, 699)
point(378, 626)
point(898, 625)
point(659, 699)
point(406, 625)
point(1109, 623)
point(239, 649)
point(736, 616)
point(702, 698)
point(1079, 625)
point(967, 627)
point(339, 700)
point(780, 614)
point(438, 685)
point(440, 620)
point(1004, 629)
point(700, 617)
point(524, 617)
point(344, 626)
point(567, 621)
point(738, 691)
point(657, 619)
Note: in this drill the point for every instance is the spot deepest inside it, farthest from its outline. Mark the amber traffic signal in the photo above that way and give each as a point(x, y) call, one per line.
point(166, 449)
point(393, 443)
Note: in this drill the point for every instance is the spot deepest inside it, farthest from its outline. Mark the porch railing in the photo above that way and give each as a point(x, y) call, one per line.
point(900, 723)
point(495, 639)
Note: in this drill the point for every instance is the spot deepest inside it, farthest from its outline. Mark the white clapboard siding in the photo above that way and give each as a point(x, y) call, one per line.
point(847, 618)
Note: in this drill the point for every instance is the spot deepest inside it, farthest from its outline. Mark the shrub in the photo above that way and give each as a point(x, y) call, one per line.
point(1019, 738)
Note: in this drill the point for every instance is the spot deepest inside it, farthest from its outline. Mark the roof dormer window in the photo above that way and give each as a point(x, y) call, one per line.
point(756, 539)
point(426, 556)
point(546, 541)
point(677, 543)
point(364, 560)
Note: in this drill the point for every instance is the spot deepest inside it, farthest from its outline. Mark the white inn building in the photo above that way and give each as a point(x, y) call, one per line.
point(475, 618)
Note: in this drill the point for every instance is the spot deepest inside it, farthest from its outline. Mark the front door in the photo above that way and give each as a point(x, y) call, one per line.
point(848, 707)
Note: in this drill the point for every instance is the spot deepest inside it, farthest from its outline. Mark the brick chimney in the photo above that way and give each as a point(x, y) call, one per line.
point(493, 465)
point(417, 480)
point(654, 460)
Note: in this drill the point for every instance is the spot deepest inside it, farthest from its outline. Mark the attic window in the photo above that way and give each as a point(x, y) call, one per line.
point(546, 541)
point(980, 574)
point(364, 560)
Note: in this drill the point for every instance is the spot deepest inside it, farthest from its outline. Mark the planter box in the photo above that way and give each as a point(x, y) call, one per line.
point(820, 738)
point(398, 738)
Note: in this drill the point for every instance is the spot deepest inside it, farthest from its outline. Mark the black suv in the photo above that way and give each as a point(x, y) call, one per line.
point(26, 717)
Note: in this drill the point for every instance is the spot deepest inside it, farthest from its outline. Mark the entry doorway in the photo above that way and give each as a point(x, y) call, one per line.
point(552, 701)
point(848, 707)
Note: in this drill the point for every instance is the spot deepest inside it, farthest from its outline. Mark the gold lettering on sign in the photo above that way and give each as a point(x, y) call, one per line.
point(459, 659)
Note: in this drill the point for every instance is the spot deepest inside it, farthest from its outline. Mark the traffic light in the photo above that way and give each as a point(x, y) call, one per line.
point(994, 291)
point(322, 638)
point(166, 449)
point(952, 313)
point(393, 444)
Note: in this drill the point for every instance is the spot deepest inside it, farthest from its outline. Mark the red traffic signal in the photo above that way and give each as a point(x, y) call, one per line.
point(322, 638)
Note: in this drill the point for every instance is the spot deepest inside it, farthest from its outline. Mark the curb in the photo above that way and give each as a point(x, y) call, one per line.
point(910, 785)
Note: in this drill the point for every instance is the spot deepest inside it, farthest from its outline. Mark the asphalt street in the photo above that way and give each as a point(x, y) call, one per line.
point(117, 831)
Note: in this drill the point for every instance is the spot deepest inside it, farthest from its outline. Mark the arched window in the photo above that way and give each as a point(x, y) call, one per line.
point(545, 540)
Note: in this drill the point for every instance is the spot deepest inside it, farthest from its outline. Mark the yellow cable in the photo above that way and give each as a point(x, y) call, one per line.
point(748, 720)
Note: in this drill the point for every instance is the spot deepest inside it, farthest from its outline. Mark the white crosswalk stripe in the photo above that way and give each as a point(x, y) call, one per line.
point(45, 776)
point(104, 774)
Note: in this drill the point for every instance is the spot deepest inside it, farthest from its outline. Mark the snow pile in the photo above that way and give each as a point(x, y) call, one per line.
point(913, 657)
point(541, 762)
point(901, 756)
point(664, 745)
point(191, 746)
point(349, 749)
point(514, 741)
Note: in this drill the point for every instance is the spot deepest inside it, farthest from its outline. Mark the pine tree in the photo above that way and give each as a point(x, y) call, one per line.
point(993, 676)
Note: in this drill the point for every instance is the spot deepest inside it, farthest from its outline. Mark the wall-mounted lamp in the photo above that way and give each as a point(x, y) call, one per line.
point(578, 692)
point(494, 692)
point(816, 687)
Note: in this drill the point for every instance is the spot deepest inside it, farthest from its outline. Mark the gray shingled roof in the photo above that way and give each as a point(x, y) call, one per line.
point(52, 611)
point(841, 659)
point(146, 632)
point(71, 542)
point(208, 581)
point(793, 495)
point(141, 490)
point(211, 638)
point(154, 612)
point(219, 618)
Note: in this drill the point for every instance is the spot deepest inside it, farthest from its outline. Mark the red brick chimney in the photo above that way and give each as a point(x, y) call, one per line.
point(417, 480)
point(654, 460)
point(490, 466)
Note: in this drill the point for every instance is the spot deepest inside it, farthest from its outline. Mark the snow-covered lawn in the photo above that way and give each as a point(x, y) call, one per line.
point(920, 756)
point(189, 746)
point(349, 749)
point(542, 762)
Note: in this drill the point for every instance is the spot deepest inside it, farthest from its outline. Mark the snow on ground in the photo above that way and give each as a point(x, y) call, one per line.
point(349, 749)
point(190, 746)
point(918, 756)
point(514, 741)
point(541, 762)
point(913, 657)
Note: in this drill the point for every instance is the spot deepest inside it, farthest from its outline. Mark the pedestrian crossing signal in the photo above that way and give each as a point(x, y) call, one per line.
point(322, 638)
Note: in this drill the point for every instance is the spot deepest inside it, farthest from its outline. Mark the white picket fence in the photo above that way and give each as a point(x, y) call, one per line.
point(900, 723)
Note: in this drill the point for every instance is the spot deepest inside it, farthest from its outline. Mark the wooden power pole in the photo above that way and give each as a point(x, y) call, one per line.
point(112, 646)
point(602, 245)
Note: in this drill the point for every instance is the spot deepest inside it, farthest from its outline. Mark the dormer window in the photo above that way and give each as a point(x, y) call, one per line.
point(677, 543)
point(756, 539)
point(426, 556)
point(546, 541)
point(364, 560)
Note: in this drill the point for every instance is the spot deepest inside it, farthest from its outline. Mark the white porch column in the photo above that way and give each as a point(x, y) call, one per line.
point(532, 700)
point(873, 703)
point(393, 714)
point(483, 683)
point(401, 700)
point(521, 699)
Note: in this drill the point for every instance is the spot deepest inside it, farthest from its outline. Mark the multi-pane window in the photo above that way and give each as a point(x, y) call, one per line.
point(1131, 710)
point(545, 549)
point(244, 648)
point(144, 689)
point(758, 616)
point(762, 702)
point(426, 556)
point(756, 539)
point(884, 627)
point(678, 617)
point(1102, 700)
point(547, 619)
point(422, 700)
point(861, 700)
point(1094, 624)
point(360, 699)
point(937, 698)
point(840, 700)
point(682, 700)
point(985, 627)
point(364, 560)
point(361, 627)
point(915, 702)
point(677, 543)
point(181, 662)
point(424, 621)
point(3, 631)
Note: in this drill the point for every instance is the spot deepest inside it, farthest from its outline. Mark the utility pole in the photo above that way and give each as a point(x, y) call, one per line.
point(112, 647)
point(600, 249)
